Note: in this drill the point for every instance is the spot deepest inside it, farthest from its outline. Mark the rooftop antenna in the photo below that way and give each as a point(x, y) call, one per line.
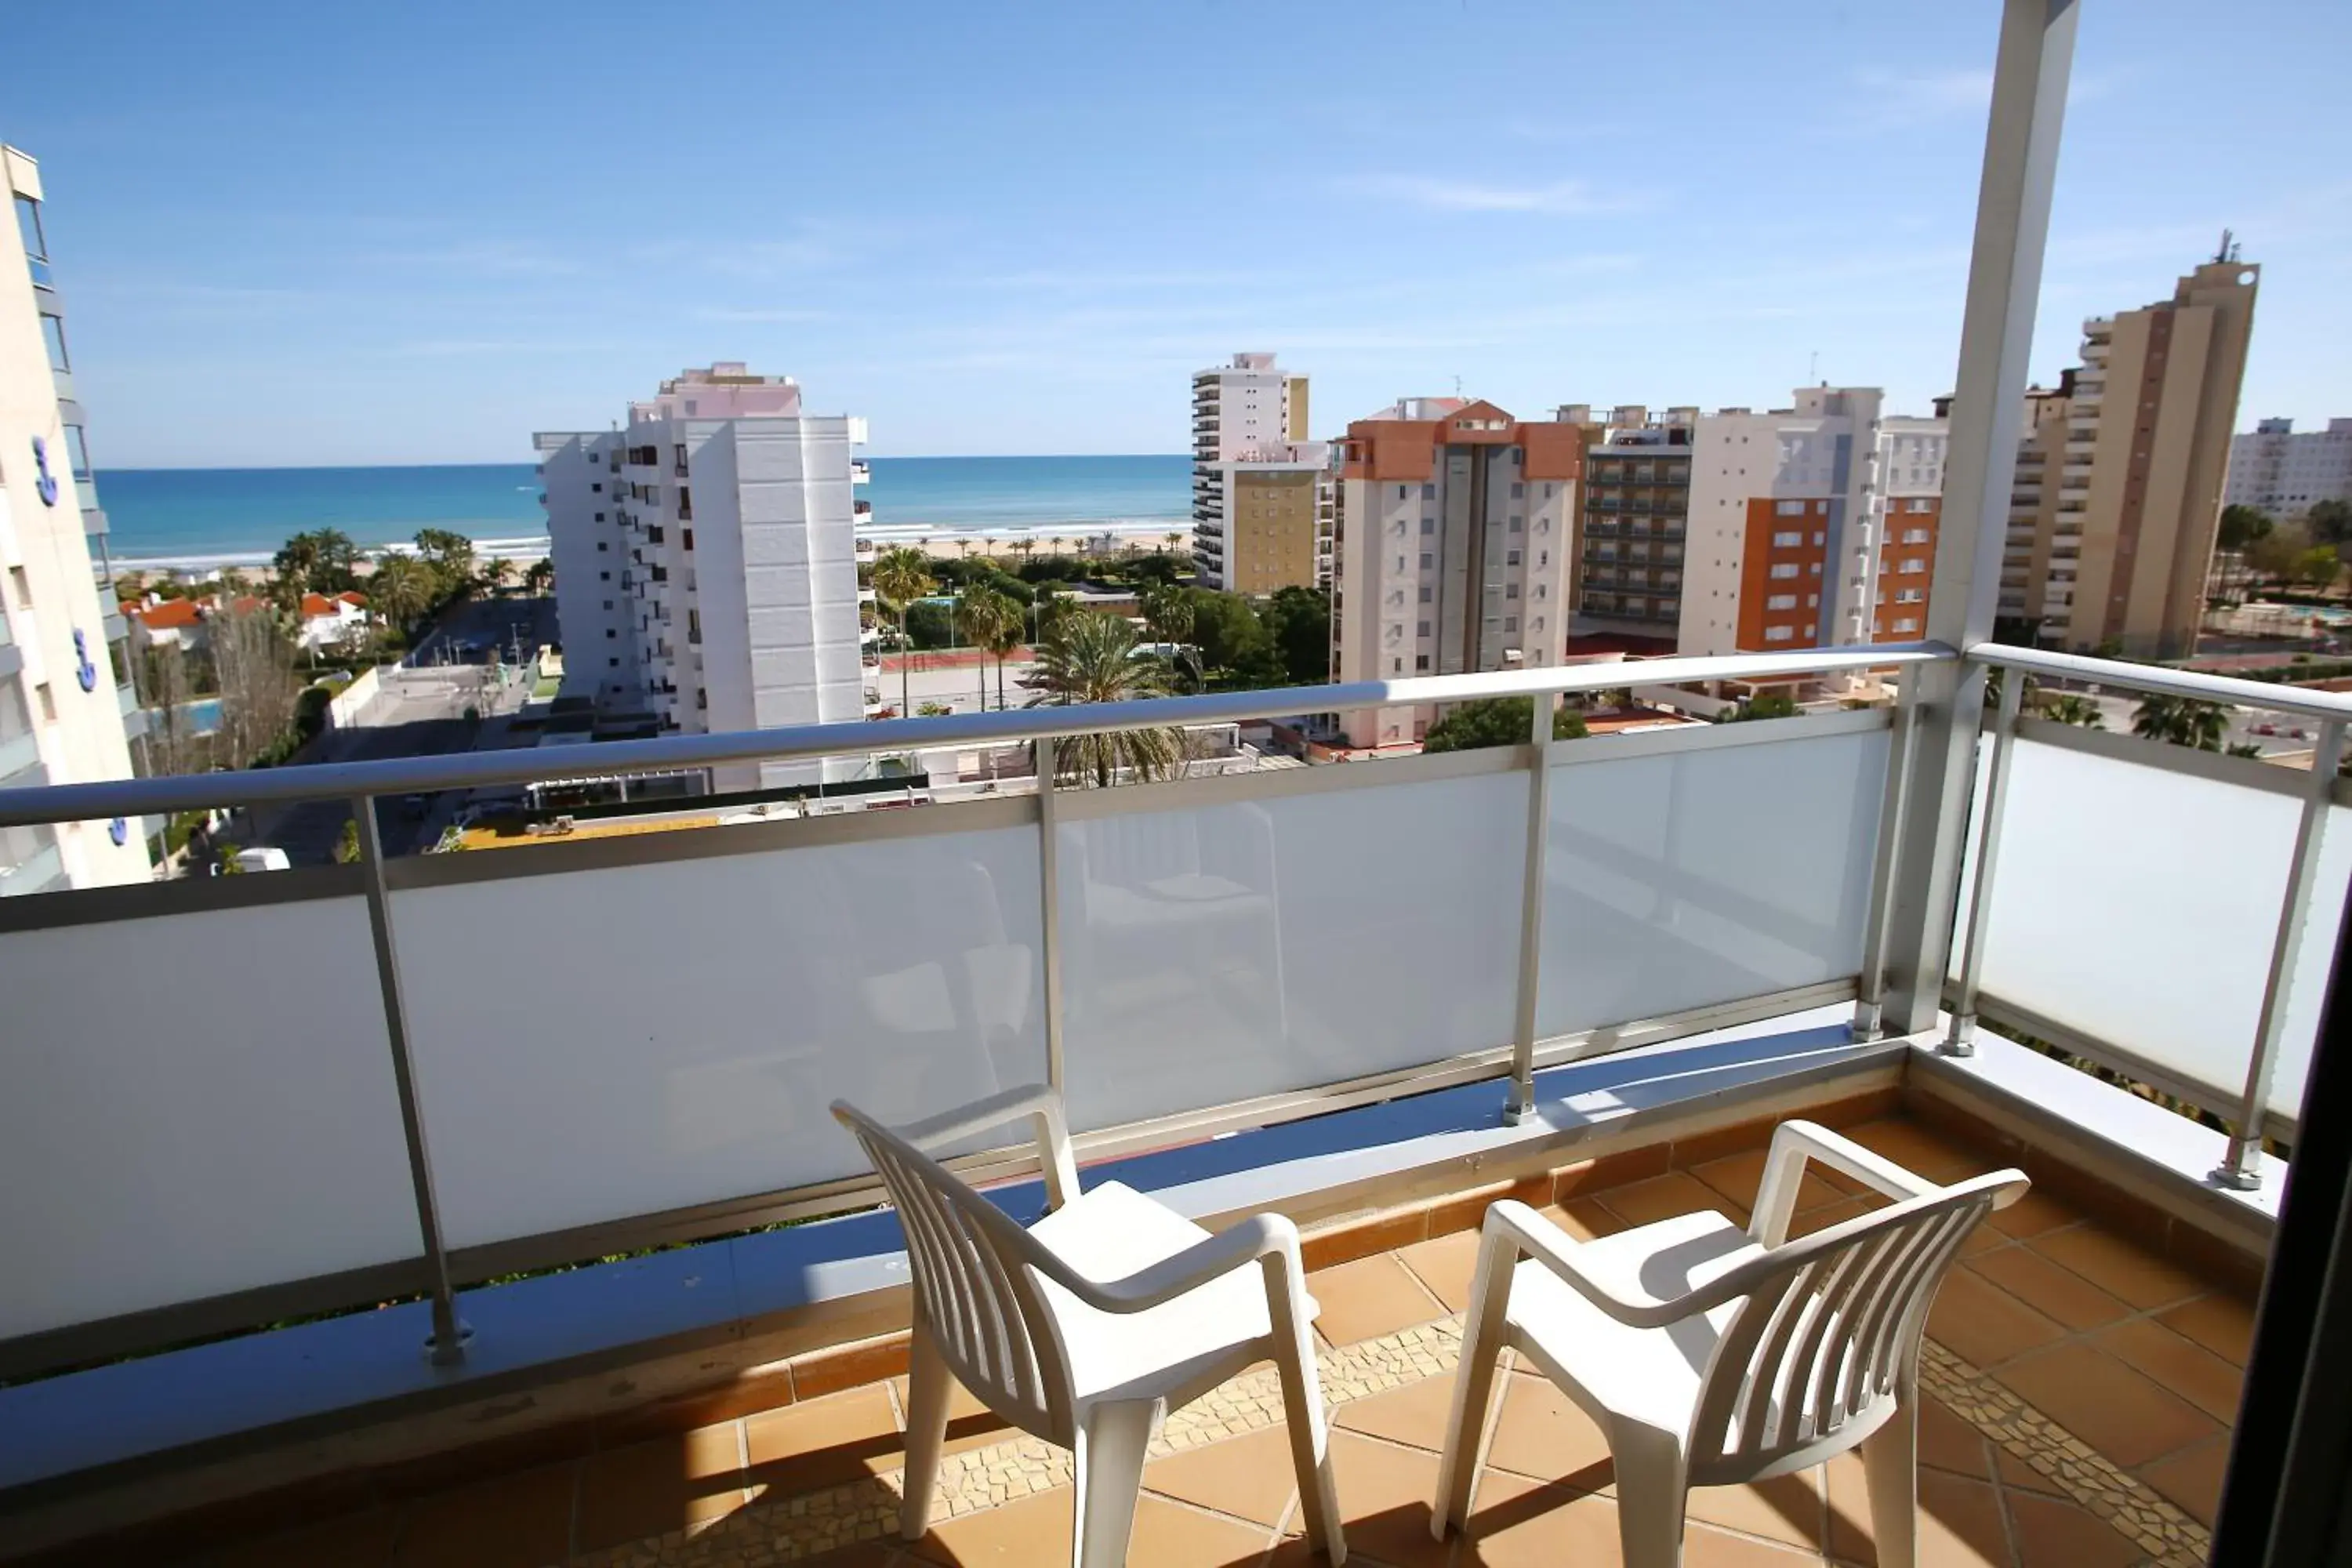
point(2228, 251)
point(1813, 367)
point(1457, 386)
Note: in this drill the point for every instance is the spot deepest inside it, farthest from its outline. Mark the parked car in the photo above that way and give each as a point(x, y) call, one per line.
point(262, 857)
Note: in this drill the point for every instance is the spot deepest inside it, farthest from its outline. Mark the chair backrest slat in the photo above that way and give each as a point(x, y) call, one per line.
point(1830, 1333)
point(976, 1295)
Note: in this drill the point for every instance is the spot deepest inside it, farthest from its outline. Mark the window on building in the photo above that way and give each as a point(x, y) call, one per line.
point(48, 701)
point(1429, 525)
point(1428, 560)
point(1781, 602)
point(597, 486)
point(613, 663)
point(1908, 623)
point(1425, 595)
point(1421, 629)
point(1510, 558)
point(1518, 524)
point(1401, 492)
point(1429, 493)
point(1914, 564)
point(1510, 623)
point(1787, 541)
point(604, 576)
point(1511, 590)
point(28, 229)
point(609, 632)
point(1420, 661)
point(1518, 491)
point(1910, 596)
point(608, 604)
point(1396, 665)
point(1920, 503)
point(53, 332)
point(1786, 569)
point(603, 545)
point(1780, 634)
point(1787, 509)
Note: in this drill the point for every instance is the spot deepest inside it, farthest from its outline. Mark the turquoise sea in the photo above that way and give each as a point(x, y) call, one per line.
point(229, 516)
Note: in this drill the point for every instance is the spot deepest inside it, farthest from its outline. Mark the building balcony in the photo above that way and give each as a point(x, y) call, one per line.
point(860, 472)
point(1691, 944)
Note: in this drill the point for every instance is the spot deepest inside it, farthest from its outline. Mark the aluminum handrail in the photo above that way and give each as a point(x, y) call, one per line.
point(2168, 682)
point(401, 776)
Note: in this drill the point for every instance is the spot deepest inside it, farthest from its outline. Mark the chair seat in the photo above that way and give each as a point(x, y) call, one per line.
point(1649, 1375)
point(1110, 1232)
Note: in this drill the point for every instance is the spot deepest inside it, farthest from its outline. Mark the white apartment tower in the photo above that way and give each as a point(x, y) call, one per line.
point(66, 691)
point(1456, 554)
point(713, 580)
point(1263, 494)
point(2285, 473)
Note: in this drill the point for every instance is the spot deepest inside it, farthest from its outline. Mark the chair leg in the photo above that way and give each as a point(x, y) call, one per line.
point(1109, 1476)
point(1890, 1466)
point(1310, 1437)
point(1652, 1490)
point(1474, 1384)
point(928, 1384)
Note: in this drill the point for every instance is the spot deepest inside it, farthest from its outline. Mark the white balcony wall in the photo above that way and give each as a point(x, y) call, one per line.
point(1706, 874)
point(598, 1044)
point(242, 1129)
point(2138, 906)
point(1216, 952)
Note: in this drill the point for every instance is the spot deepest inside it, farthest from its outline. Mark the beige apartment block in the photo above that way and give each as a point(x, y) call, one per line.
point(1262, 492)
point(2114, 511)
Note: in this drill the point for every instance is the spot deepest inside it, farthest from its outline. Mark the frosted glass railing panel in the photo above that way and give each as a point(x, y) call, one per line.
point(2313, 959)
point(194, 1104)
point(1223, 952)
point(2138, 906)
point(1690, 878)
point(595, 1044)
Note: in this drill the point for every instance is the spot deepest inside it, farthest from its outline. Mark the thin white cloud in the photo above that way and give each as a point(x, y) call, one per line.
point(1927, 94)
point(450, 348)
point(724, 313)
point(1561, 197)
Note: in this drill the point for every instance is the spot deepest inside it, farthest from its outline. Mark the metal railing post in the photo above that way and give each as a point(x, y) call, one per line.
point(2242, 1165)
point(447, 1346)
point(1869, 1019)
point(1521, 1105)
point(1050, 908)
point(1961, 1040)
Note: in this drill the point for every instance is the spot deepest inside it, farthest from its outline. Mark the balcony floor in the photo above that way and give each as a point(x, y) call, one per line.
point(2079, 1394)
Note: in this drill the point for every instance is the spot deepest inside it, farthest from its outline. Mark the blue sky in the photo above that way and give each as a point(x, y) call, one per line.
point(336, 234)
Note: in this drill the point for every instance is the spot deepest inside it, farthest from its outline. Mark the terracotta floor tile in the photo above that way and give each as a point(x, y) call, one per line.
point(1515, 1523)
point(665, 1484)
point(1587, 1219)
point(1368, 1297)
point(2220, 1322)
point(1785, 1509)
point(1033, 1530)
point(1547, 1436)
point(2192, 1480)
point(1946, 1442)
point(2188, 1369)
point(360, 1540)
point(1170, 1535)
point(1959, 1524)
point(2055, 1292)
point(2054, 1532)
point(2033, 1214)
point(522, 1521)
point(1445, 1264)
point(881, 1554)
point(2115, 1410)
point(1250, 1476)
point(1828, 1215)
point(1384, 1494)
point(970, 1423)
point(1980, 1322)
point(1918, 1151)
point(1414, 1414)
point(2017, 1475)
point(823, 1442)
point(1740, 1176)
point(2118, 1267)
point(1663, 1198)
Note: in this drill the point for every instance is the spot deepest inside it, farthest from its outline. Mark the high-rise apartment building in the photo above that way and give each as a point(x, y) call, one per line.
point(2285, 473)
point(1262, 492)
point(1736, 531)
point(706, 564)
point(1456, 556)
point(2124, 511)
point(65, 688)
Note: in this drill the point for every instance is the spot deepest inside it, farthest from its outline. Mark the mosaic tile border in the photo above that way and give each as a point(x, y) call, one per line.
point(765, 1534)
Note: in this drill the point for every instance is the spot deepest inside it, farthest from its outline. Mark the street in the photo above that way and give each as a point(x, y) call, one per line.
point(475, 631)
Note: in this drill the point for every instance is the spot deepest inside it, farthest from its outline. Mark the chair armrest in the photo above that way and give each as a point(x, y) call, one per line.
point(1530, 1235)
point(1050, 1126)
point(1268, 1237)
point(1794, 1143)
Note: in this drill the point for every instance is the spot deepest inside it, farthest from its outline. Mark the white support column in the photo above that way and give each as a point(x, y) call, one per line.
point(2029, 103)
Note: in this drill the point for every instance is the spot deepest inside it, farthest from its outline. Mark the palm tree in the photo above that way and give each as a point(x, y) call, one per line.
point(2071, 709)
point(963, 547)
point(495, 573)
point(1004, 639)
point(401, 589)
point(1092, 658)
point(1057, 543)
point(902, 574)
point(2182, 720)
point(1172, 540)
point(986, 613)
point(1168, 611)
point(1025, 545)
point(540, 579)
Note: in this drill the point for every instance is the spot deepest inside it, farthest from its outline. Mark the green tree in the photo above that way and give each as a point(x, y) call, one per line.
point(2274, 556)
point(450, 557)
point(930, 624)
point(401, 589)
point(2241, 526)
point(319, 562)
point(539, 578)
point(1496, 721)
point(497, 571)
point(1092, 658)
point(347, 845)
point(1150, 569)
point(2069, 709)
point(1004, 637)
point(2181, 722)
point(2243, 748)
point(2330, 522)
point(2318, 567)
point(1226, 629)
point(902, 576)
point(1763, 705)
point(1298, 623)
point(988, 617)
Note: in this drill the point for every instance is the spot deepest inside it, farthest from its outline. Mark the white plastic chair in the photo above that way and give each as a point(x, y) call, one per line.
point(1089, 1327)
point(1710, 1355)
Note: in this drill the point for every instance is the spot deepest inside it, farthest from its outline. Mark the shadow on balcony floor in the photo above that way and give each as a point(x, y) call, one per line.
point(2080, 1390)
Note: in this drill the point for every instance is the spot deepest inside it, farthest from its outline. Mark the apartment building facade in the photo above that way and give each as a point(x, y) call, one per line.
point(1456, 555)
point(718, 590)
point(1263, 497)
point(68, 706)
point(1628, 568)
point(2286, 472)
point(2125, 511)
